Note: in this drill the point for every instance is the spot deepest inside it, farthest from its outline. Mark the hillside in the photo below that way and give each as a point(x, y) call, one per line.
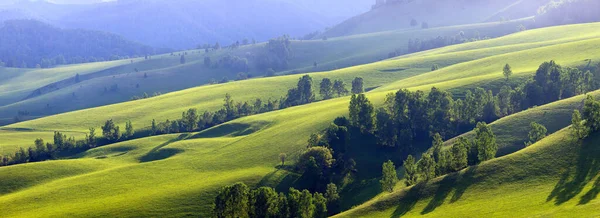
point(190, 168)
point(31, 44)
point(399, 14)
point(556, 177)
point(165, 73)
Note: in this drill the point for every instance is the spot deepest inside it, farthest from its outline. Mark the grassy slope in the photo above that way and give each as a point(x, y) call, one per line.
point(166, 74)
point(555, 177)
point(190, 168)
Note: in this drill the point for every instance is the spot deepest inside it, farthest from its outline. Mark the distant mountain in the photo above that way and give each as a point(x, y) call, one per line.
point(27, 43)
point(187, 23)
point(398, 14)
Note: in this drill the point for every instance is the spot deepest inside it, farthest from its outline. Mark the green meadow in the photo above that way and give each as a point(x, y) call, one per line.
point(179, 175)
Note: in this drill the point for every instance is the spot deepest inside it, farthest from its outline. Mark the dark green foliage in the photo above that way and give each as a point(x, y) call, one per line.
point(110, 132)
point(321, 156)
point(485, 141)
point(507, 71)
point(591, 113)
point(232, 201)
point(190, 119)
point(357, 85)
point(460, 154)
point(537, 133)
point(410, 171)
point(389, 178)
point(339, 88)
point(264, 202)
point(426, 167)
point(91, 138)
point(362, 113)
point(276, 55)
point(128, 130)
point(579, 130)
point(326, 88)
point(320, 203)
point(302, 94)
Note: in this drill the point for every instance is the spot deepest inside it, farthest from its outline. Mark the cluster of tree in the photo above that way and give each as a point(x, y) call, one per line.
point(276, 55)
point(589, 123)
point(464, 152)
point(30, 43)
point(560, 12)
point(46, 151)
point(145, 95)
point(240, 201)
point(303, 93)
point(234, 63)
point(417, 45)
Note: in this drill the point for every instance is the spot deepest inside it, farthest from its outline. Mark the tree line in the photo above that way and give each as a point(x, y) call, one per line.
point(241, 202)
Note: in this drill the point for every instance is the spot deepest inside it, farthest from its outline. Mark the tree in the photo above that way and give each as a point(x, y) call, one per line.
point(357, 85)
point(128, 130)
point(507, 71)
point(110, 131)
point(263, 203)
point(320, 205)
point(282, 157)
point(322, 156)
point(389, 178)
point(591, 113)
point(435, 67)
point(326, 88)
point(426, 167)
point(424, 25)
point(339, 88)
point(410, 171)
point(413, 22)
point(154, 128)
point(460, 154)
point(578, 129)
point(537, 133)
point(182, 59)
point(190, 119)
point(332, 195)
point(232, 201)
point(362, 113)
point(438, 155)
point(485, 141)
point(91, 138)
point(229, 106)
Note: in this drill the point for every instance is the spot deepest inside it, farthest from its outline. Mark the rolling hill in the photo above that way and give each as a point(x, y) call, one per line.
point(165, 73)
point(179, 174)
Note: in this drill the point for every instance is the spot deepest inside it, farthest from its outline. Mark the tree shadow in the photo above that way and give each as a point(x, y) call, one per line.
point(591, 194)
point(465, 180)
point(410, 199)
point(442, 192)
point(573, 181)
point(157, 153)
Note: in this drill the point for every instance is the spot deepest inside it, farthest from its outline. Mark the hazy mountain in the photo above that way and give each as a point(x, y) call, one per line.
point(187, 23)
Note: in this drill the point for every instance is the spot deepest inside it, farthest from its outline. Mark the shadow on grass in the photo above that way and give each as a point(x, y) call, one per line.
point(442, 192)
point(157, 153)
point(231, 129)
point(575, 179)
point(409, 200)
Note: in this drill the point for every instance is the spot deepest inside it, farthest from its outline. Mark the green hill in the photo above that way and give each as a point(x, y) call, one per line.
point(178, 175)
point(58, 92)
point(557, 177)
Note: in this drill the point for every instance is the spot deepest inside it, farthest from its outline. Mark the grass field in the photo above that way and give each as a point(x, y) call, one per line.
point(166, 74)
point(556, 177)
point(177, 175)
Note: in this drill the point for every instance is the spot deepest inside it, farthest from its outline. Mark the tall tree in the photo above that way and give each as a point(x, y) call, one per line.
point(190, 119)
point(182, 59)
point(320, 203)
point(579, 130)
point(460, 154)
point(232, 201)
point(357, 85)
point(507, 71)
point(410, 171)
point(128, 130)
point(326, 88)
point(263, 203)
point(389, 178)
point(340, 88)
point(591, 113)
point(362, 113)
point(485, 141)
point(537, 133)
point(110, 131)
point(427, 167)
